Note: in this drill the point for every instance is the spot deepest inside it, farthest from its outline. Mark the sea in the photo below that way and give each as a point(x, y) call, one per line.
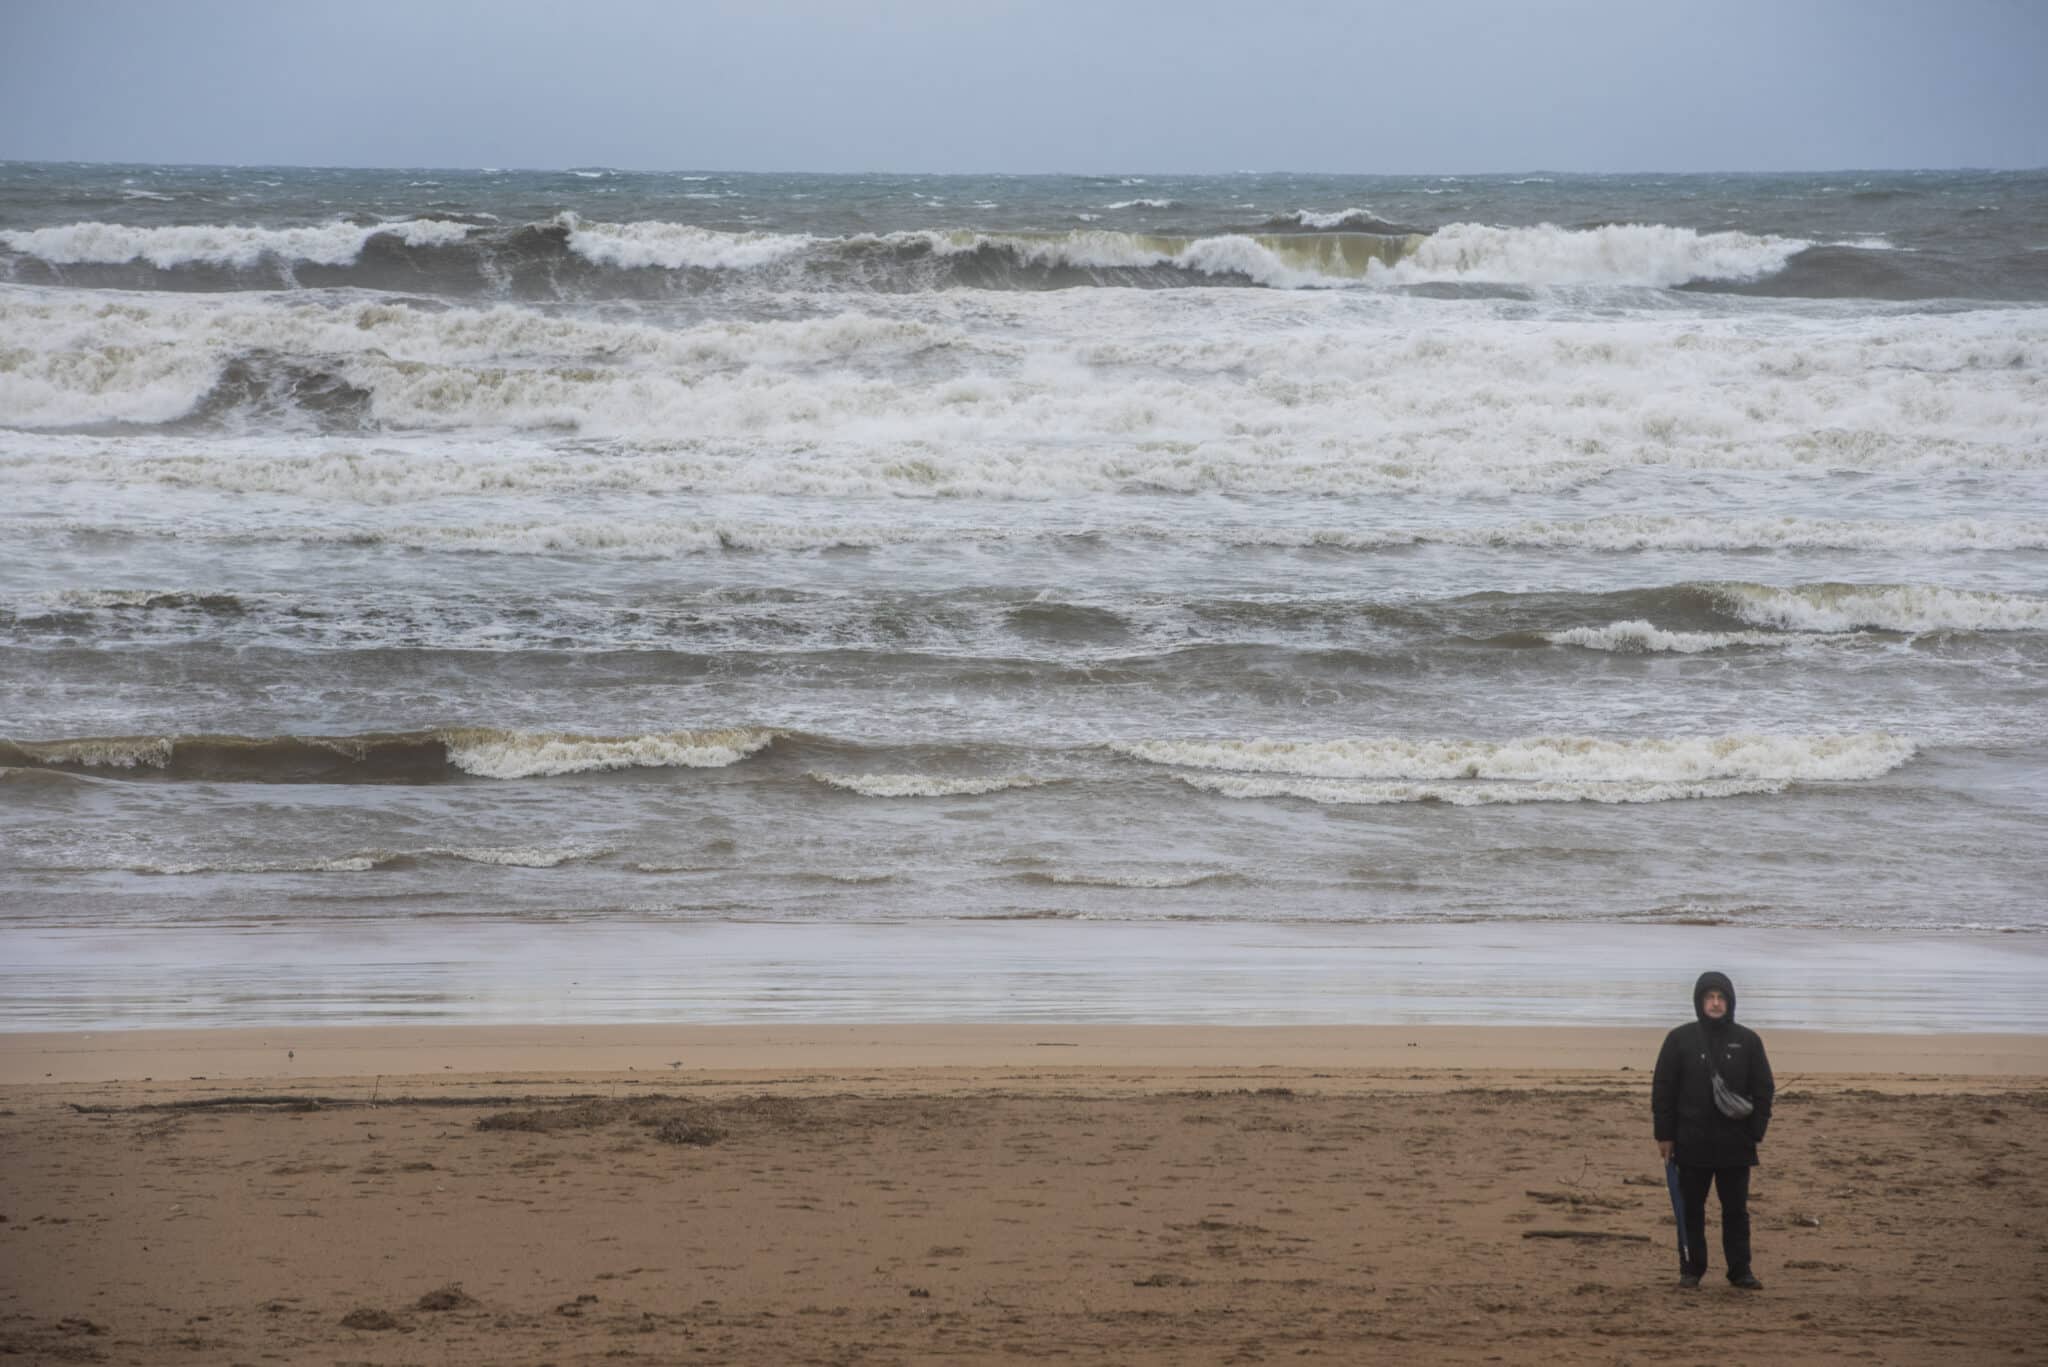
point(489, 594)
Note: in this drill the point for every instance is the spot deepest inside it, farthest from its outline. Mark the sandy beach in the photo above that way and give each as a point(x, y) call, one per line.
point(993, 1193)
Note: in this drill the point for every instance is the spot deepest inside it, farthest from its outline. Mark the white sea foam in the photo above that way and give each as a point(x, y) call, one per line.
point(522, 856)
point(118, 598)
point(1644, 638)
point(1144, 204)
point(926, 785)
point(331, 244)
point(1042, 397)
point(525, 754)
point(1883, 607)
point(1642, 532)
point(1352, 793)
point(658, 539)
point(677, 246)
point(110, 752)
point(1336, 219)
point(1278, 261)
point(1618, 254)
point(1546, 759)
point(1137, 881)
point(353, 863)
point(1632, 532)
point(650, 540)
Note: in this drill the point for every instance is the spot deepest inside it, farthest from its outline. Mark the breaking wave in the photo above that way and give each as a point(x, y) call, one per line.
point(394, 757)
point(353, 863)
point(1883, 607)
point(1345, 793)
point(504, 856)
point(522, 856)
point(926, 785)
point(225, 245)
point(1617, 254)
point(1342, 220)
point(570, 255)
point(1809, 612)
point(680, 246)
point(1644, 638)
point(517, 754)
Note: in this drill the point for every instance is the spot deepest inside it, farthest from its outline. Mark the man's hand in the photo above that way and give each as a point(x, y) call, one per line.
point(1665, 1147)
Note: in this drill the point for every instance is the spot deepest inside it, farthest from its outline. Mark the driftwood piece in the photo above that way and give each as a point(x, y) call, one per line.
point(1583, 1234)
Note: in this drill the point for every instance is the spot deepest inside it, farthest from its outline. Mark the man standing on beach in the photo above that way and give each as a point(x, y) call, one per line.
point(1707, 1073)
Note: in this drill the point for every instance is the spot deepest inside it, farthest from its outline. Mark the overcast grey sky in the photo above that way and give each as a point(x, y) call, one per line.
point(997, 85)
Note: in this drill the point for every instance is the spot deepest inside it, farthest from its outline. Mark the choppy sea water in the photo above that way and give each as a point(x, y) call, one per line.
point(405, 556)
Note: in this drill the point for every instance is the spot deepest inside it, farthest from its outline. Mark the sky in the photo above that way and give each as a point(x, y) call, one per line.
point(1449, 86)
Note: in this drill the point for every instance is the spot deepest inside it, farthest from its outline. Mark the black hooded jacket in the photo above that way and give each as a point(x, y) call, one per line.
point(1682, 1092)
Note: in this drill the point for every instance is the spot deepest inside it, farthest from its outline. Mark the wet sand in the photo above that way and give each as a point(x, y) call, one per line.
point(961, 1194)
point(459, 971)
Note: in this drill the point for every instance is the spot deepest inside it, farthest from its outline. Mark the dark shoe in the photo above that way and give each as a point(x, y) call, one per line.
point(1688, 1281)
point(1746, 1282)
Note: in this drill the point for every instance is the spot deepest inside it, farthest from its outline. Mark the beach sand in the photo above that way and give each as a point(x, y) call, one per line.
point(926, 1194)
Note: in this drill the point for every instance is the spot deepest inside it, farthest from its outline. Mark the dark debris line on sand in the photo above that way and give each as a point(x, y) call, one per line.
point(333, 1103)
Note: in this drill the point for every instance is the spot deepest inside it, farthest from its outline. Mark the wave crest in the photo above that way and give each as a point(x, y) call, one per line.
point(1883, 607)
point(1644, 254)
point(1644, 638)
point(520, 754)
point(389, 757)
point(226, 245)
point(679, 246)
point(1344, 793)
point(926, 785)
point(1342, 220)
point(1302, 249)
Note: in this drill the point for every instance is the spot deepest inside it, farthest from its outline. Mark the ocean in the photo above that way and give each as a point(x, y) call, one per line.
point(1143, 597)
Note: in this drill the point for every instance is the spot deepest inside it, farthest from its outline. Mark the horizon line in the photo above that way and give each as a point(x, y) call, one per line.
point(1040, 174)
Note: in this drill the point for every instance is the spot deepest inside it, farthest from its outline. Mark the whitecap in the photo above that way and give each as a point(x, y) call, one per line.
point(527, 754)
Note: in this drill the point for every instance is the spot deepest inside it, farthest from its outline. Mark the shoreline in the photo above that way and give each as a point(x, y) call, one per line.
point(287, 1057)
point(477, 971)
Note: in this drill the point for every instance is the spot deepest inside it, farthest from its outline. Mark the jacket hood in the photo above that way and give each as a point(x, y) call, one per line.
point(1709, 980)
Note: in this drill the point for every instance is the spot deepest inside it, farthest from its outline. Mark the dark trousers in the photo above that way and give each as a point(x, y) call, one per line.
point(1733, 1184)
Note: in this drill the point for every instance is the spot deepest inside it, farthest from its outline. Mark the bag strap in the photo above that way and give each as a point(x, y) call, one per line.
point(1712, 1067)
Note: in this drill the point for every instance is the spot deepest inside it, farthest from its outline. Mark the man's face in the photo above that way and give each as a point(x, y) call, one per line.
point(1714, 1004)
